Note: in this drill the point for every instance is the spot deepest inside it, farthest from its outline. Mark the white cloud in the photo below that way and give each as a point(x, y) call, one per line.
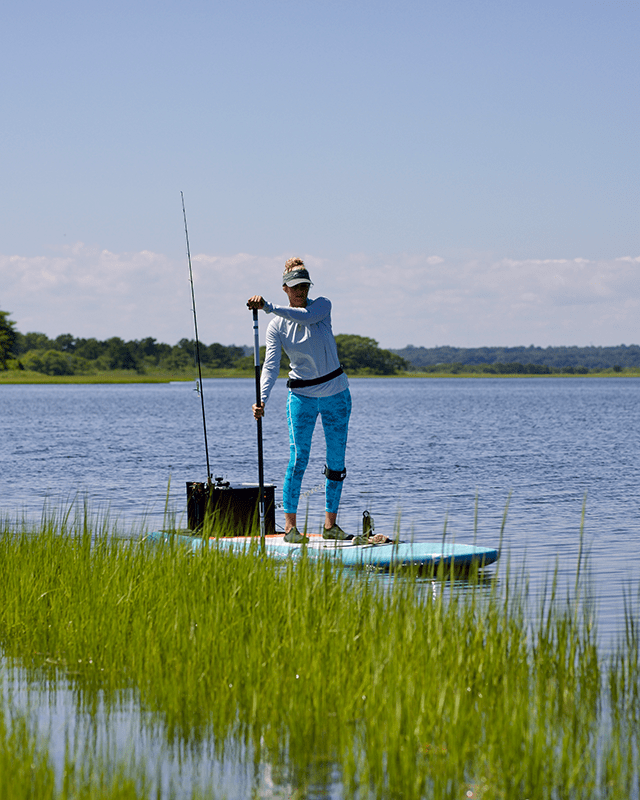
point(405, 298)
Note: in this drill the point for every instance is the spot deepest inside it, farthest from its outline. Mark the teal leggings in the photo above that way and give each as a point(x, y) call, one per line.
point(302, 413)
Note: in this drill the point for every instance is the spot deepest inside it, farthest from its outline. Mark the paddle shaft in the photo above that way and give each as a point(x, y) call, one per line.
point(256, 361)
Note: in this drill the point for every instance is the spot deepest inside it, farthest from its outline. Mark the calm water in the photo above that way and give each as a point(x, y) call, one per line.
point(425, 448)
point(420, 448)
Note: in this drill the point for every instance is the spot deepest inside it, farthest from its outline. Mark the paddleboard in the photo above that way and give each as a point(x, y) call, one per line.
point(425, 556)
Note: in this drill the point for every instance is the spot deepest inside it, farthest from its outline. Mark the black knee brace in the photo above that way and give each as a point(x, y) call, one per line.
point(334, 474)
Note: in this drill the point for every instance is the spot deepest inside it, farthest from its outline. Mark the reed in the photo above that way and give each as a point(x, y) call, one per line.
point(405, 687)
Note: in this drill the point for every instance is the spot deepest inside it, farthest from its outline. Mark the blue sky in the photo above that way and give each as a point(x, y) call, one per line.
point(460, 173)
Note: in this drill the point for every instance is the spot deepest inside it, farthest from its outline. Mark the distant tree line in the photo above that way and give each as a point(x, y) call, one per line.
point(8, 336)
point(510, 368)
point(69, 355)
point(359, 354)
point(525, 359)
point(66, 355)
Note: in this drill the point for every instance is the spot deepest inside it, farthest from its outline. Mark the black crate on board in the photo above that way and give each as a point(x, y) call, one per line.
point(234, 507)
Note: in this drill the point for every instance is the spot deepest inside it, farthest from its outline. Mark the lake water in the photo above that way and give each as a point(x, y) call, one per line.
point(423, 449)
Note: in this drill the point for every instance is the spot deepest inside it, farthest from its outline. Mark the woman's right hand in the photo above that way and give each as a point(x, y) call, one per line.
point(257, 301)
point(258, 410)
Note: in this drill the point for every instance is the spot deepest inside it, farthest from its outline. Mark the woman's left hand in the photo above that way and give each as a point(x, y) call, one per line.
point(257, 301)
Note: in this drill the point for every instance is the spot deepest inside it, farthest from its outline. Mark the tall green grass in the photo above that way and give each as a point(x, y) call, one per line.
point(393, 689)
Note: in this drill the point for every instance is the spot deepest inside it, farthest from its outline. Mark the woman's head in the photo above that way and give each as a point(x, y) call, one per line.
point(296, 282)
point(295, 273)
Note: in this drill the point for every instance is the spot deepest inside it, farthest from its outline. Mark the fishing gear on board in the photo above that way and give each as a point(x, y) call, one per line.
point(228, 506)
point(197, 345)
point(368, 525)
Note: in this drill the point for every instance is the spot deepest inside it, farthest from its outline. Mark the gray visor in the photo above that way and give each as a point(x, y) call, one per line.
point(296, 276)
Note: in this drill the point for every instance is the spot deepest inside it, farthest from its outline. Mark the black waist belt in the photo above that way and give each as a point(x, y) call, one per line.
point(295, 383)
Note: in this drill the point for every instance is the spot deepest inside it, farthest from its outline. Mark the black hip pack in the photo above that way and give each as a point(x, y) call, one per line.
point(295, 383)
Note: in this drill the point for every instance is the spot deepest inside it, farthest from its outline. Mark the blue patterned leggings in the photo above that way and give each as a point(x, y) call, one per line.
point(302, 413)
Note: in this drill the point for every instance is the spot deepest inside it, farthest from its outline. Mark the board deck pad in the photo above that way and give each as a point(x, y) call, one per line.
point(424, 555)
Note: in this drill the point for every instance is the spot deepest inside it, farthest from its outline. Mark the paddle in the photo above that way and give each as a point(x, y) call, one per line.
point(256, 361)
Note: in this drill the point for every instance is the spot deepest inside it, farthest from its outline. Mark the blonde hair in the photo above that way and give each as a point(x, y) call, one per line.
point(293, 263)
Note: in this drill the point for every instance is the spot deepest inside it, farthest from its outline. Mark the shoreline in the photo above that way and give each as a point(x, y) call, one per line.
point(17, 377)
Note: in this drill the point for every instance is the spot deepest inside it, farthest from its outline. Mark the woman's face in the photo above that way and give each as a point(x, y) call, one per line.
point(297, 295)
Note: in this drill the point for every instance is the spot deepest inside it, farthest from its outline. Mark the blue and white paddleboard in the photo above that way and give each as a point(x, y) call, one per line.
point(385, 556)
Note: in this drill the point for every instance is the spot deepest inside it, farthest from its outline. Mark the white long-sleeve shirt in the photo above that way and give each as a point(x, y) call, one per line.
point(306, 337)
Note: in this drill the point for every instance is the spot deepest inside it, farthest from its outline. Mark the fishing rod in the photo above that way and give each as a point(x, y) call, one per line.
point(256, 361)
point(197, 348)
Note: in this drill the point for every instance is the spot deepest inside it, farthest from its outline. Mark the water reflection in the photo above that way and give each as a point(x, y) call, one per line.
point(110, 731)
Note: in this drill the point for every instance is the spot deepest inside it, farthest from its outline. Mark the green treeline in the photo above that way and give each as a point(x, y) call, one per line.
point(68, 355)
point(359, 355)
point(527, 360)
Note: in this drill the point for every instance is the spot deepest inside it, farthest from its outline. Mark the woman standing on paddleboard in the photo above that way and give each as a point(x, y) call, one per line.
point(317, 385)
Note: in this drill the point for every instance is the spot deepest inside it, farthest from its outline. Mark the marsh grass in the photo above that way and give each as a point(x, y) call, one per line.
point(394, 688)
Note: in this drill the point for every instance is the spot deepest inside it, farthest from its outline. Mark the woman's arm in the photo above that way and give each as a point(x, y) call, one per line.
point(316, 311)
point(271, 366)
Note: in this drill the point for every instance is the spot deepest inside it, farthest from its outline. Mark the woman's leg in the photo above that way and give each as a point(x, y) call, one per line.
point(301, 419)
point(335, 411)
